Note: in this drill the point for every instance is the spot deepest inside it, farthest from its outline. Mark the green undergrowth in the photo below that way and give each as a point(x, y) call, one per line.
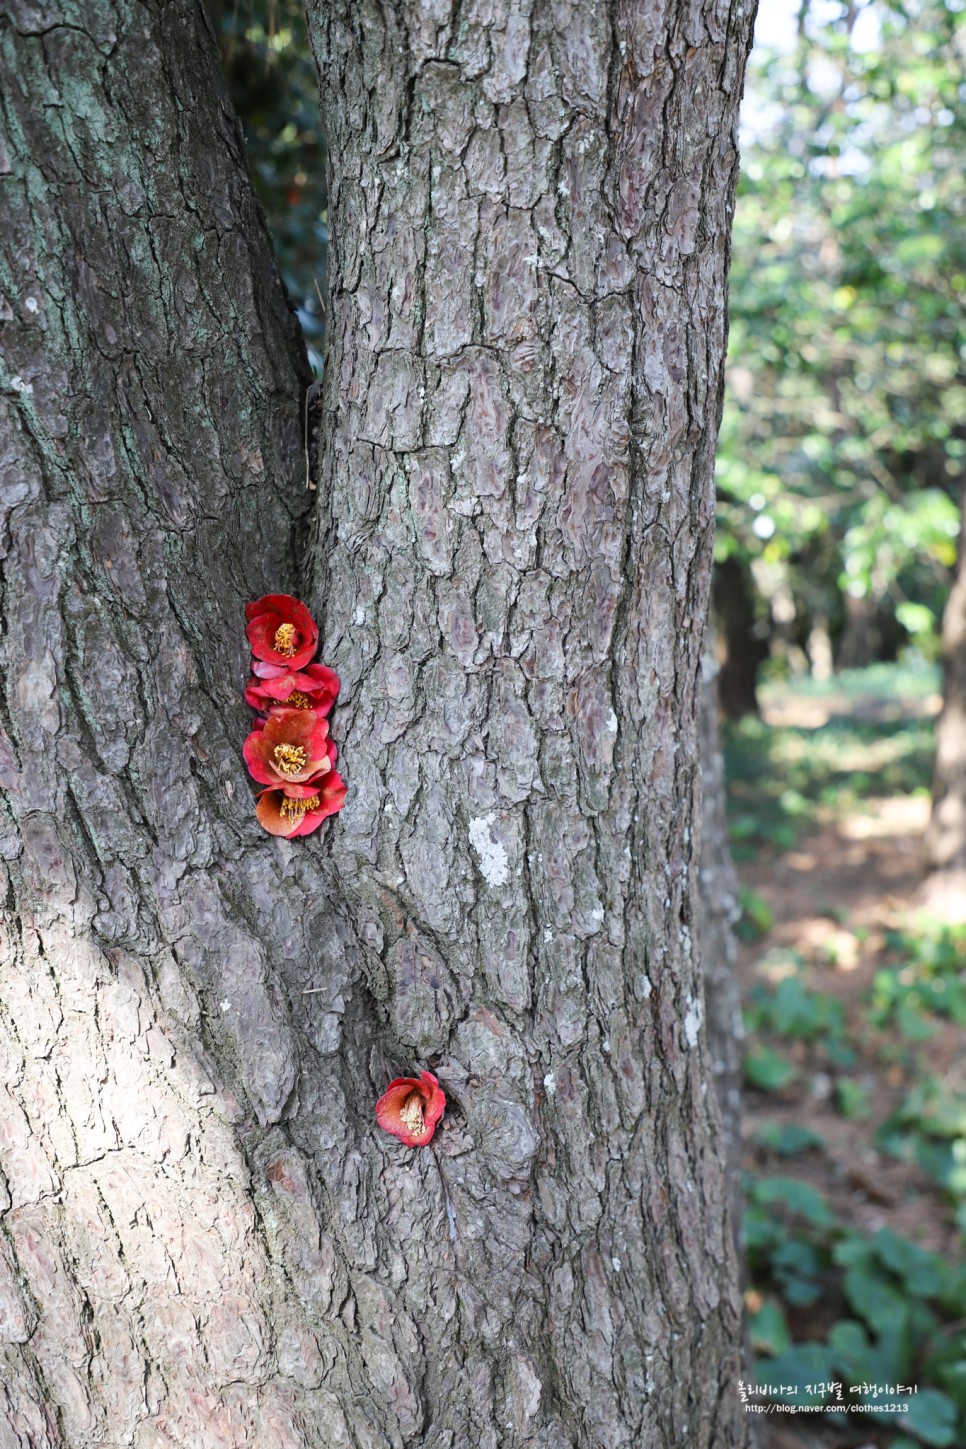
point(780, 777)
point(880, 1312)
point(831, 1305)
point(858, 1085)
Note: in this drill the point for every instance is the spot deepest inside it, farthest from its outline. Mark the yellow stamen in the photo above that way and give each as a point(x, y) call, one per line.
point(298, 700)
point(289, 759)
point(411, 1113)
point(286, 638)
point(298, 809)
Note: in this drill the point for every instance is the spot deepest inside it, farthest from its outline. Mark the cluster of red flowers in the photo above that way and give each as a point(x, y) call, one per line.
point(290, 750)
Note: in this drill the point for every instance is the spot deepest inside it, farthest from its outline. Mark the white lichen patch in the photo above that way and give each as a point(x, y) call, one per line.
point(494, 865)
point(692, 1021)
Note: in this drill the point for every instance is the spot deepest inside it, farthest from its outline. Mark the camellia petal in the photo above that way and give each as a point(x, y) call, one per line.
point(291, 750)
point(291, 747)
point(411, 1107)
point(281, 631)
point(314, 687)
point(283, 813)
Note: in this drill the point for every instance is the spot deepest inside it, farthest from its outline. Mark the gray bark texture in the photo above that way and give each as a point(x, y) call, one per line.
point(205, 1241)
point(944, 890)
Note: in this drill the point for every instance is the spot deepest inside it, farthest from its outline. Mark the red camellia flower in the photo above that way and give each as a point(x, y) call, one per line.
point(410, 1108)
point(282, 633)
point(300, 809)
point(292, 747)
point(313, 687)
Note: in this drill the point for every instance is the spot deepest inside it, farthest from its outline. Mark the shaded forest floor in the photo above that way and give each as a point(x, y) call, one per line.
point(855, 1074)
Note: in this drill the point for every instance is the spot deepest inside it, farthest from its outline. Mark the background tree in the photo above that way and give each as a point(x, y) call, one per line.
point(945, 885)
point(842, 447)
point(207, 1241)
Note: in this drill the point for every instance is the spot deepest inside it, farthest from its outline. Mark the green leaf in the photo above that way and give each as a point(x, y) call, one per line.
point(768, 1070)
point(931, 1417)
point(808, 1363)
point(850, 1345)
point(768, 1329)
point(911, 1022)
point(874, 1298)
point(797, 1197)
point(853, 1098)
point(923, 1273)
point(788, 1138)
point(756, 909)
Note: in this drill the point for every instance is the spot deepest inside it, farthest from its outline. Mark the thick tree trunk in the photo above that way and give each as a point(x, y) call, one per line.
point(530, 211)
point(944, 890)
point(206, 1241)
point(157, 1254)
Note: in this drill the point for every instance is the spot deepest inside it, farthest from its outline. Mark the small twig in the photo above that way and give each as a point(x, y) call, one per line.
point(319, 295)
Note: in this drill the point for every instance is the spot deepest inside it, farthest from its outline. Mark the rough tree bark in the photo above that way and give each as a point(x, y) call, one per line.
point(530, 211)
point(944, 890)
point(205, 1240)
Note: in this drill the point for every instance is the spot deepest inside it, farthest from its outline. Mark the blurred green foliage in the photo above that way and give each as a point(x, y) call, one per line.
point(275, 90)
point(781, 777)
point(843, 442)
point(886, 1312)
point(830, 1303)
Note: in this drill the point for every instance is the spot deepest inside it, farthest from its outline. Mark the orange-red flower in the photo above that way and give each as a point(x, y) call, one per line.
point(282, 633)
point(410, 1108)
point(292, 747)
point(313, 687)
point(300, 809)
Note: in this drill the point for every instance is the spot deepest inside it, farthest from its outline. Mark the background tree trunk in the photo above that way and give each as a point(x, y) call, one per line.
point(718, 910)
point(205, 1240)
point(744, 651)
point(944, 890)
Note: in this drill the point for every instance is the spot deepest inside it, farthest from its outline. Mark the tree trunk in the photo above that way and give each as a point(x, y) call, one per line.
point(718, 910)
point(206, 1241)
point(744, 651)
point(944, 890)
point(158, 1272)
point(530, 215)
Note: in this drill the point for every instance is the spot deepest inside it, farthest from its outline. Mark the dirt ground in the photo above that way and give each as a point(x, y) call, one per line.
point(833, 897)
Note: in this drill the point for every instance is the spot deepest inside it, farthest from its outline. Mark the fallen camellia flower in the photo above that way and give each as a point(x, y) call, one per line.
point(292, 747)
point(313, 687)
point(300, 809)
point(282, 633)
point(410, 1108)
